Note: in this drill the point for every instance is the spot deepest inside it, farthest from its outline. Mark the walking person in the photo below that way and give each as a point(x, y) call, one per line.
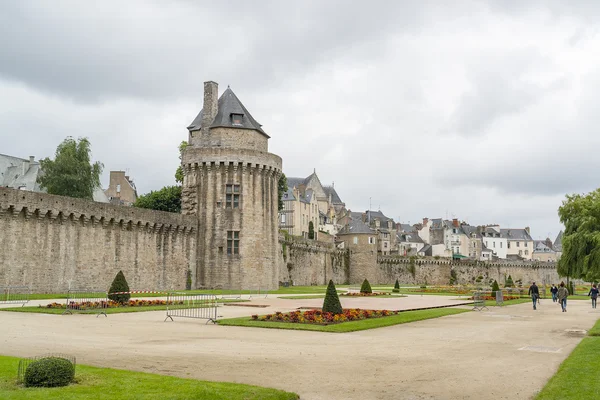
point(554, 290)
point(594, 294)
point(562, 295)
point(534, 292)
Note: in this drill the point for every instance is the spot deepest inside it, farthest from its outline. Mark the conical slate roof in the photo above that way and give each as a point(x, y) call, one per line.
point(229, 104)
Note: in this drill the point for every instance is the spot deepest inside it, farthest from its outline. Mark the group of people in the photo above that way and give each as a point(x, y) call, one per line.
point(560, 294)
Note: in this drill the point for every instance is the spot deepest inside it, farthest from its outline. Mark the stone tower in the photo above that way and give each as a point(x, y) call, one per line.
point(230, 184)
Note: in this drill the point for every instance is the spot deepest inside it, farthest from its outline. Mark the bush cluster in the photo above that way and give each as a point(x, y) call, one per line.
point(49, 372)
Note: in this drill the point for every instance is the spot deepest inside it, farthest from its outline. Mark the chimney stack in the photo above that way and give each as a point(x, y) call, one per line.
point(455, 223)
point(528, 230)
point(210, 107)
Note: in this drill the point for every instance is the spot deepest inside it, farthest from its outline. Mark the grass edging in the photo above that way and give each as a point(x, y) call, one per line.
point(351, 326)
point(108, 383)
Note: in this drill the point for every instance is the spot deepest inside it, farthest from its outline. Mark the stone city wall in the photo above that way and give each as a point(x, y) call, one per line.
point(52, 243)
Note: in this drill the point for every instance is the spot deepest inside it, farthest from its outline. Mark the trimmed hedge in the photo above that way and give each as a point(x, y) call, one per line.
point(332, 300)
point(49, 372)
point(396, 287)
point(366, 287)
point(119, 284)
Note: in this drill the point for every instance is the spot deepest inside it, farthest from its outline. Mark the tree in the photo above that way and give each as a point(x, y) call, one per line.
point(165, 199)
point(580, 214)
point(495, 287)
point(282, 187)
point(119, 284)
point(71, 173)
point(366, 287)
point(179, 171)
point(509, 282)
point(396, 287)
point(332, 301)
point(311, 230)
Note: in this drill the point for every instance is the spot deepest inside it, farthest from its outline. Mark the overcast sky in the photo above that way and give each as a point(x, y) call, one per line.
point(486, 112)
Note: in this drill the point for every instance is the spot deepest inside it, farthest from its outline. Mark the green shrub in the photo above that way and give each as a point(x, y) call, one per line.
point(396, 287)
point(188, 280)
point(571, 288)
point(453, 277)
point(332, 301)
point(509, 282)
point(311, 230)
point(495, 287)
point(366, 287)
point(49, 372)
point(119, 284)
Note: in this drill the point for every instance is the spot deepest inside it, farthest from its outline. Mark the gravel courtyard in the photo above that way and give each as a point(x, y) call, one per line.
point(504, 353)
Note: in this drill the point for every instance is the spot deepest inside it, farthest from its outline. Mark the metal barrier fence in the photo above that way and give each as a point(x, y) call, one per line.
point(258, 293)
point(86, 301)
point(14, 295)
point(183, 305)
point(24, 363)
point(352, 289)
point(479, 301)
point(499, 298)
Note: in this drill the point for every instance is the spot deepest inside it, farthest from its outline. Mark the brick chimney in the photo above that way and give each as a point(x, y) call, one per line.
point(528, 230)
point(455, 223)
point(364, 217)
point(210, 107)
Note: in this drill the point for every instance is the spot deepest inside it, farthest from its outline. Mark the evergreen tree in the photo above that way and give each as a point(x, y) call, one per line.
point(282, 187)
point(332, 301)
point(311, 230)
point(396, 287)
point(119, 284)
point(71, 173)
point(366, 287)
point(495, 288)
point(509, 282)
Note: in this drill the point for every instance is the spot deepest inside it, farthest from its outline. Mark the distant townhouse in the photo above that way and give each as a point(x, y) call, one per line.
point(475, 244)
point(308, 200)
point(493, 240)
point(357, 233)
point(519, 243)
point(121, 189)
point(558, 244)
point(542, 252)
point(385, 228)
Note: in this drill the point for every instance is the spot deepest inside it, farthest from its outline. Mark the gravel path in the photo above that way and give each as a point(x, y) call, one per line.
point(467, 356)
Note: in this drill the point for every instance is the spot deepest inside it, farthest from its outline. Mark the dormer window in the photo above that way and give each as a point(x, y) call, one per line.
point(237, 119)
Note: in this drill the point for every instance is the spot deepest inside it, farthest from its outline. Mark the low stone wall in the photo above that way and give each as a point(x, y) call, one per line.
point(439, 272)
point(52, 243)
point(308, 262)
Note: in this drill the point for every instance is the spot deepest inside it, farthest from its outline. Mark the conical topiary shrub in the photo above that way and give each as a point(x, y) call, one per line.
point(495, 288)
point(332, 301)
point(366, 287)
point(119, 284)
point(396, 287)
point(509, 282)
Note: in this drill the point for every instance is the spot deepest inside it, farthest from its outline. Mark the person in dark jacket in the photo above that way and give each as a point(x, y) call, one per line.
point(594, 294)
point(562, 295)
point(534, 292)
point(554, 291)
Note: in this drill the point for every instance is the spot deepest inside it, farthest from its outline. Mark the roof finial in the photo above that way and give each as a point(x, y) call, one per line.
point(227, 86)
point(314, 170)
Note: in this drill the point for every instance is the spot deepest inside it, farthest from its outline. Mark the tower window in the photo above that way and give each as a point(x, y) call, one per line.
point(232, 196)
point(236, 119)
point(233, 242)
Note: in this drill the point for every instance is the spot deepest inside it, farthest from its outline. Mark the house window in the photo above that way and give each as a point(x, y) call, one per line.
point(500, 244)
point(283, 218)
point(518, 244)
point(355, 240)
point(508, 245)
point(233, 242)
point(494, 244)
point(520, 252)
point(371, 240)
point(236, 119)
point(385, 244)
point(232, 196)
point(526, 252)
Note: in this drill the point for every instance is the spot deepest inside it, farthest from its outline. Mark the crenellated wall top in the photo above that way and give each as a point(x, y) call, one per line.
point(43, 205)
point(485, 264)
point(194, 157)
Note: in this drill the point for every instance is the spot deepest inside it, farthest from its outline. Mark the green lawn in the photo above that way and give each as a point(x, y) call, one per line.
point(577, 376)
point(310, 296)
point(401, 318)
point(116, 310)
point(112, 384)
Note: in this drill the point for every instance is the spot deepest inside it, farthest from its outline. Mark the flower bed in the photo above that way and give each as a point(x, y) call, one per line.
point(359, 294)
point(111, 304)
point(320, 318)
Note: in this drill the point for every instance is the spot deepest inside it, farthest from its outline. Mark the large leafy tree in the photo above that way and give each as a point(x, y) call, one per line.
point(71, 173)
point(580, 214)
point(282, 187)
point(179, 171)
point(165, 199)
